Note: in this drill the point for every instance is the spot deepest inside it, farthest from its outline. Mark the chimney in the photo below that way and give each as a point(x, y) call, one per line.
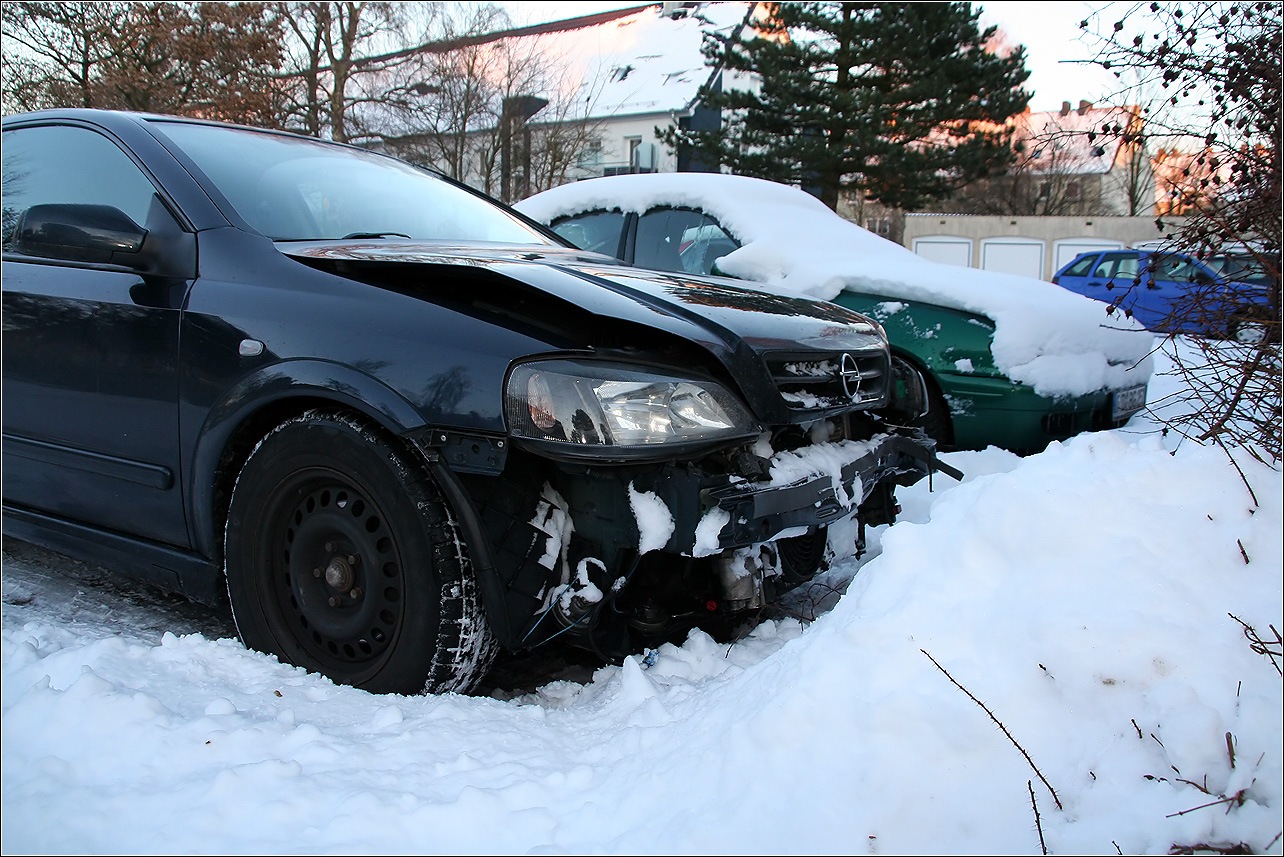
point(1084, 106)
point(1065, 108)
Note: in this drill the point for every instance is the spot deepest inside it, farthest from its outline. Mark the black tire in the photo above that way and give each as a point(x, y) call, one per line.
point(342, 558)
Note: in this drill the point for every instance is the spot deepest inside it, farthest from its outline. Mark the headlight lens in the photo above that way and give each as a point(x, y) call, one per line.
point(621, 407)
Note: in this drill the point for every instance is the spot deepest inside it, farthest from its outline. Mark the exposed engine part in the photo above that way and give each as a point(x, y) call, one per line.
point(581, 594)
point(650, 618)
point(741, 574)
point(571, 610)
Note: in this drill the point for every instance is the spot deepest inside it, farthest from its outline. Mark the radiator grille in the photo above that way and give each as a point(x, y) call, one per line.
point(828, 381)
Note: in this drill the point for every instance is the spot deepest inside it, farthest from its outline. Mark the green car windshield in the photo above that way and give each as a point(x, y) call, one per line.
point(295, 189)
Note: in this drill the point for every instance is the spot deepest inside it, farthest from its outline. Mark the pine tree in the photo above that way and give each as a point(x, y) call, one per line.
point(900, 102)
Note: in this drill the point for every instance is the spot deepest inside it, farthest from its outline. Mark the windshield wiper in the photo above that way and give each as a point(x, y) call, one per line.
point(374, 235)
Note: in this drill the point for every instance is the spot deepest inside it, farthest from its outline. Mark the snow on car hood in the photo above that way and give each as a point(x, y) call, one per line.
point(1056, 341)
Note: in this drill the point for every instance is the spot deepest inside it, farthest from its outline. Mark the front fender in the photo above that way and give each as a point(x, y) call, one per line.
point(275, 390)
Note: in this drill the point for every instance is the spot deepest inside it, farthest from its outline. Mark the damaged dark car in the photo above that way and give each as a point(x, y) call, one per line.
point(399, 427)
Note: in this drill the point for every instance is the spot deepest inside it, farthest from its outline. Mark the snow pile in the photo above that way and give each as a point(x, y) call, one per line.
point(1089, 597)
point(1056, 341)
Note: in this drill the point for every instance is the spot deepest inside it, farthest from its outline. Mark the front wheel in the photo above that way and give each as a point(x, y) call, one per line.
point(342, 558)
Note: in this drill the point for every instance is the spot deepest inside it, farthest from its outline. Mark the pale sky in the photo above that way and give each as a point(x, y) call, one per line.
point(1049, 30)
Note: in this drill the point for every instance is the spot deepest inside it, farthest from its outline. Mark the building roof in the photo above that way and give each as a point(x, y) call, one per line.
point(649, 61)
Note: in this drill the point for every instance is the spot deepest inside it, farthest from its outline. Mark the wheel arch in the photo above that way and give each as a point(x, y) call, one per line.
point(260, 402)
point(944, 419)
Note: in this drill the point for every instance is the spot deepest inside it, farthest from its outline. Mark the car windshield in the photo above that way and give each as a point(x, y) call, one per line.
point(294, 189)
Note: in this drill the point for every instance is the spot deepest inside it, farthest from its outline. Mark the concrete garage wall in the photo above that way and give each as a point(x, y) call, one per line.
point(1032, 246)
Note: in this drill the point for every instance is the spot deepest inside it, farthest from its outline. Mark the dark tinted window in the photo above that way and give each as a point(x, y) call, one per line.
point(64, 164)
point(599, 231)
point(680, 239)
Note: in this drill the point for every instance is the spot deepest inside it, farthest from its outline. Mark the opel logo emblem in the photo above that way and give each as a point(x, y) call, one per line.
point(849, 376)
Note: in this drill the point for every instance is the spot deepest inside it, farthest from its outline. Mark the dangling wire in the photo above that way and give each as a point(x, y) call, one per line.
point(596, 612)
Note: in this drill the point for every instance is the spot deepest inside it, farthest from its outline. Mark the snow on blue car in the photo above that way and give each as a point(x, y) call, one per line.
point(1170, 292)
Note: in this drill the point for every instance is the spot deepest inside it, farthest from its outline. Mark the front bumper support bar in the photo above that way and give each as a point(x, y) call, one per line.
point(760, 511)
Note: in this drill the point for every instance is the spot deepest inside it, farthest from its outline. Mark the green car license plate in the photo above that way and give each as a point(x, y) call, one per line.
point(1129, 401)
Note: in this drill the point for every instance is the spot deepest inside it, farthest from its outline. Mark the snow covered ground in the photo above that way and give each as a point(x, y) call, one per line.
point(1049, 656)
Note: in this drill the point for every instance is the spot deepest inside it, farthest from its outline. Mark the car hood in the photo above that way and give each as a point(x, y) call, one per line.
point(606, 286)
point(734, 323)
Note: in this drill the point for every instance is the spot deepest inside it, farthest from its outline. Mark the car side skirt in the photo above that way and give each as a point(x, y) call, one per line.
point(167, 567)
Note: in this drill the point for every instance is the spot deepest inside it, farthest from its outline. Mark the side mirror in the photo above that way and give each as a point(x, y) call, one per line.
point(78, 233)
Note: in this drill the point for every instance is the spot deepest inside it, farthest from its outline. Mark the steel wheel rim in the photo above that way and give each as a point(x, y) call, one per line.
point(336, 572)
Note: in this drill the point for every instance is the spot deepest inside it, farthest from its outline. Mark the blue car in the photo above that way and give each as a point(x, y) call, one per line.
point(1176, 293)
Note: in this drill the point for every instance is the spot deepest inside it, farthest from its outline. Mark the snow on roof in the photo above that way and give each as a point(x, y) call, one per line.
point(1052, 339)
point(647, 62)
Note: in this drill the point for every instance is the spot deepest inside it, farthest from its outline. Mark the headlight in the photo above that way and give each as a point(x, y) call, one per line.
point(597, 409)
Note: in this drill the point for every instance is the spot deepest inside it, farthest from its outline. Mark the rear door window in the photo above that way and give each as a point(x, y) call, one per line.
point(1177, 269)
point(681, 240)
point(1119, 267)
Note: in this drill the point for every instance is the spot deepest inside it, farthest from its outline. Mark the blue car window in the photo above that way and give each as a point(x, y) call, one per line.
point(1081, 267)
point(1178, 269)
point(1117, 266)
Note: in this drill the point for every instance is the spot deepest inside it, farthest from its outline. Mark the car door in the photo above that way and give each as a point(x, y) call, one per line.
point(1111, 277)
point(90, 409)
point(1170, 281)
point(1074, 276)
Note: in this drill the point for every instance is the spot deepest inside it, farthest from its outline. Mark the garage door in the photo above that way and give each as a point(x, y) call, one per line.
point(1013, 256)
point(946, 249)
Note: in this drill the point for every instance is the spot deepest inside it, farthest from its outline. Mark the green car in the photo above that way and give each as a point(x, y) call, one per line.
point(990, 359)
